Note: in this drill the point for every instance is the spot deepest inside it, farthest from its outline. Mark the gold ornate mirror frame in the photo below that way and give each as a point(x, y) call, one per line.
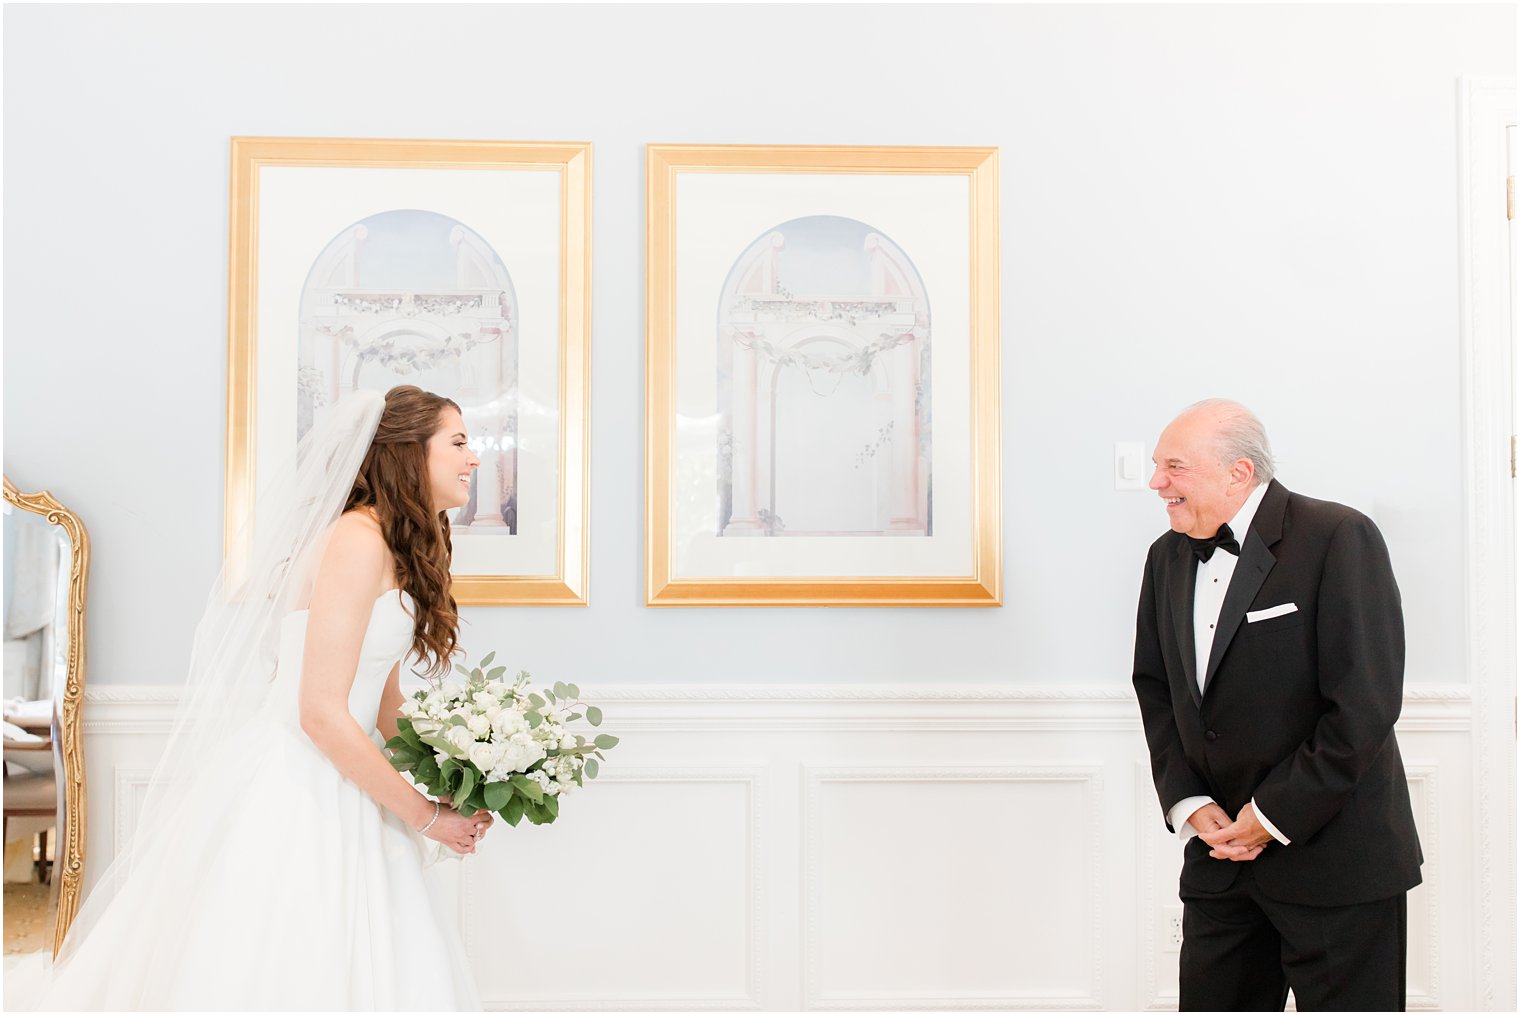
point(71, 723)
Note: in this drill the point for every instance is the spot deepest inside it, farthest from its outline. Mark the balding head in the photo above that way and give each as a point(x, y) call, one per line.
point(1208, 460)
point(1237, 434)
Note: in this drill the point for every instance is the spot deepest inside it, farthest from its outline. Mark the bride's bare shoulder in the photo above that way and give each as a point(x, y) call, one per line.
point(362, 519)
point(358, 534)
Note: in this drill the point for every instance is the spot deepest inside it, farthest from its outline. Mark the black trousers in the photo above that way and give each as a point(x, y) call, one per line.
point(1241, 951)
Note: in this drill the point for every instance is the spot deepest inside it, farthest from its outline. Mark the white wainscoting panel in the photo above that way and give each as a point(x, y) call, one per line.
point(861, 847)
point(914, 876)
point(655, 885)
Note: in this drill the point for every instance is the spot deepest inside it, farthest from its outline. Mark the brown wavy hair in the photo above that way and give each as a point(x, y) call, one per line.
point(393, 481)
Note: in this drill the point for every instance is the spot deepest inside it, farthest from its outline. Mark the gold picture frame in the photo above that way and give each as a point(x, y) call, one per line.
point(538, 195)
point(723, 378)
point(68, 702)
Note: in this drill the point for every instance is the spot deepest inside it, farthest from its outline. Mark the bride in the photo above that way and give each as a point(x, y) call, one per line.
point(278, 858)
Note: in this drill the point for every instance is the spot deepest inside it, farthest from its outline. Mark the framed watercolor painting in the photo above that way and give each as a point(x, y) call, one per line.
point(822, 377)
point(462, 267)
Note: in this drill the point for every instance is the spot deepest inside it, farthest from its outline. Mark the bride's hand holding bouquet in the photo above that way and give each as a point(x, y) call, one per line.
point(489, 746)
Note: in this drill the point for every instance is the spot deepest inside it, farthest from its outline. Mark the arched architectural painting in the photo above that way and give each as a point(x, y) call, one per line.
point(415, 297)
point(824, 386)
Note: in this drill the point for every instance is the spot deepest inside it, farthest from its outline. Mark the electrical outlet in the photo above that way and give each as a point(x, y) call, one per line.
point(1171, 928)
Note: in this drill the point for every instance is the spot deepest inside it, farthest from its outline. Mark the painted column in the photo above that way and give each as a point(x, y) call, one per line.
point(744, 518)
point(903, 373)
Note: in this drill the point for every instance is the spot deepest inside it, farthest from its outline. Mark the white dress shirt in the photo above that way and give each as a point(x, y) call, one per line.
point(1213, 582)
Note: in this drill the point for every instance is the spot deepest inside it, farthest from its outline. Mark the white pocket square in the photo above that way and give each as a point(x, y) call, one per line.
point(1271, 611)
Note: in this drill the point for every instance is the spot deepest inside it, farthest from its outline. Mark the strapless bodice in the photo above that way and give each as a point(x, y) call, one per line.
point(386, 640)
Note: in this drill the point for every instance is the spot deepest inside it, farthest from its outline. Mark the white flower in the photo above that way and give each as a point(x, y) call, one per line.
point(509, 723)
point(492, 711)
point(453, 687)
point(485, 756)
point(460, 737)
point(567, 744)
point(479, 725)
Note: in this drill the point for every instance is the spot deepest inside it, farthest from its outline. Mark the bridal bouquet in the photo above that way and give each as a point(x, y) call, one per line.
point(493, 746)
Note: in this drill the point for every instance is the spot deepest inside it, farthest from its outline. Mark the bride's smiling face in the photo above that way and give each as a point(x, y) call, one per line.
point(450, 462)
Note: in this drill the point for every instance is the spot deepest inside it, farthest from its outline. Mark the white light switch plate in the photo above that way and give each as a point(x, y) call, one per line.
point(1129, 466)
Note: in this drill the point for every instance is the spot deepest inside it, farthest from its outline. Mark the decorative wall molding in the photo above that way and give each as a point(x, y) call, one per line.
point(752, 779)
point(1090, 777)
point(131, 786)
point(780, 707)
point(783, 746)
point(1432, 831)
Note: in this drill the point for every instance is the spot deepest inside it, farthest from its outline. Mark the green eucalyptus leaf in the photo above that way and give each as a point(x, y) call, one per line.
point(436, 741)
point(513, 812)
point(551, 804)
point(606, 741)
point(536, 701)
point(594, 715)
point(466, 784)
point(592, 768)
point(497, 794)
point(487, 660)
point(534, 720)
point(528, 788)
point(495, 673)
point(573, 691)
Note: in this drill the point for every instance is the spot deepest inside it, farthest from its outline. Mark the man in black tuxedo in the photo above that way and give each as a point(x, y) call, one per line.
point(1269, 665)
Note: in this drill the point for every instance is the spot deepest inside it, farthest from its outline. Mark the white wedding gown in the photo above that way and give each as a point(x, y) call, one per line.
point(299, 892)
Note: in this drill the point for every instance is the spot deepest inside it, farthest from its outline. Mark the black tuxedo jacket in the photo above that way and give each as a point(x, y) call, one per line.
point(1296, 711)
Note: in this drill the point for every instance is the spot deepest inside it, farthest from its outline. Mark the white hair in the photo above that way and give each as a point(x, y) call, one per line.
point(1240, 435)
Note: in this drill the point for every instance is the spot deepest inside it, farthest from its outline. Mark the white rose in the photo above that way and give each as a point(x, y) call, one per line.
point(492, 711)
point(460, 737)
point(479, 725)
point(485, 756)
point(453, 687)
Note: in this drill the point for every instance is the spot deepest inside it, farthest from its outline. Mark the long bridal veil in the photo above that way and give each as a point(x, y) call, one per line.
point(269, 573)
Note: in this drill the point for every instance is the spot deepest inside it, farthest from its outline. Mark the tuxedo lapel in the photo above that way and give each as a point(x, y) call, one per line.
point(1256, 562)
point(1181, 579)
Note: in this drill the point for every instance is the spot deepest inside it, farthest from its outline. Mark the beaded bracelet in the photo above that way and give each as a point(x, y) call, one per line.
point(437, 810)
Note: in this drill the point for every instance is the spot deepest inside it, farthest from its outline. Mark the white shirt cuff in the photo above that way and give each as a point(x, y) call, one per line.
point(1183, 809)
point(1280, 837)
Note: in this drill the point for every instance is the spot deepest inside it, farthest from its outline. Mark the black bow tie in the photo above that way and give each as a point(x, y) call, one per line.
point(1224, 539)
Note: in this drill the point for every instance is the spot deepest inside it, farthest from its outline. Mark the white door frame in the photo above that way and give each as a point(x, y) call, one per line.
point(1485, 107)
